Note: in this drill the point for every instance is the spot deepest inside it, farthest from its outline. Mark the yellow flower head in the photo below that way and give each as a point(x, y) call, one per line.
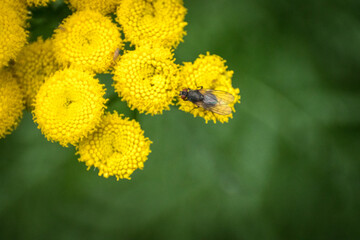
point(154, 22)
point(69, 106)
point(38, 3)
point(208, 72)
point(20, 8)
point(13, 35)
point(118, 147)
point(102, 6)
point(11, 103)
point(87, 40)
point(35, 62)
point(147, 79)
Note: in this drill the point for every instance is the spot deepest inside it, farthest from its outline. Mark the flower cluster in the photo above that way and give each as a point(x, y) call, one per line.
point(56, 78)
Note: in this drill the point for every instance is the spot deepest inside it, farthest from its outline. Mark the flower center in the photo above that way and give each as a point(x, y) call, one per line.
point(67, 103)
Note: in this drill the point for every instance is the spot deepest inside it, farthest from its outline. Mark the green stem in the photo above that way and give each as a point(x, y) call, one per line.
point(136, 115)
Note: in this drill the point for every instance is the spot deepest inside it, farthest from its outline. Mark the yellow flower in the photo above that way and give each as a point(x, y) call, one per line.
point(118, 147)
point(209, 72)
point(102, 6)
point(11, 103)
point(87, 40)
point(147, 79)
point(36, 61)
point(13, 35)
point(154, 22)
point(69, 106)
point(20, 8)
point(38, 3)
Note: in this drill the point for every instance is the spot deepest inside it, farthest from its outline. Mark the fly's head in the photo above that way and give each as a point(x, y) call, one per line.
point(184, 93)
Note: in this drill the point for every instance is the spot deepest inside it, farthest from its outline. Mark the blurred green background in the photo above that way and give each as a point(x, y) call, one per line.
point(286, 167)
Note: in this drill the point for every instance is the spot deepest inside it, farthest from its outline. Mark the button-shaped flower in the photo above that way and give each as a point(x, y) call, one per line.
point(13, 35)
point(102, 6)
point(35, 62)
point(87, 40)
point(69, 106)
point(11, 103)
point(207, 72)
point(147, 79)
point(152, 22)
point(117, 148)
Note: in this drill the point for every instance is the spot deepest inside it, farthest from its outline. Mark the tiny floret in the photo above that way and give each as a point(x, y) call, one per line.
point(152, 22)
point(11, 103)
point(69, 106)
point(207, 72)
point(117, 148)
point(87, 40)
point(147, 79)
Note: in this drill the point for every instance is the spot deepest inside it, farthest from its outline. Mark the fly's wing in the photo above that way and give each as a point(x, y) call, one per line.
point(221, 97)
point(216, 101)
point(218, 109)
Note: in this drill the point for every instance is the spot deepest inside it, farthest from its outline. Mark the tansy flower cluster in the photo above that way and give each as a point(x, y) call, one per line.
point(56, 78)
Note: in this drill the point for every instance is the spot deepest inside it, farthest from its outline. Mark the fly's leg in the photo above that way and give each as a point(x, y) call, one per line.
point(198, 88)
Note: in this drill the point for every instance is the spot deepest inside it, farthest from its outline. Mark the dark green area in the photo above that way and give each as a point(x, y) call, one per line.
point(286, 167)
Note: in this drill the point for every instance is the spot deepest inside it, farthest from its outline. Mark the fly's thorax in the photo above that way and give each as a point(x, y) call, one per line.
point(195, 96)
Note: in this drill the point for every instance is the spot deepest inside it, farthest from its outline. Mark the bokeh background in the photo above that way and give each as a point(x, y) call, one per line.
point(286, 167)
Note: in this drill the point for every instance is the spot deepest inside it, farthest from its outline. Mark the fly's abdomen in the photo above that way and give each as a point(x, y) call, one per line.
point(210, 99)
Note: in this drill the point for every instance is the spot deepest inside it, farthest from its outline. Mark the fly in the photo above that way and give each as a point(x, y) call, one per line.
point(215, 101)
